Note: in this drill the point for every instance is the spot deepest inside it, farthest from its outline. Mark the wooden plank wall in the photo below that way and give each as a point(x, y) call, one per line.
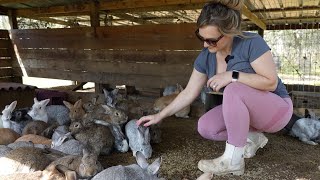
point(151, 56)
point(6, 59)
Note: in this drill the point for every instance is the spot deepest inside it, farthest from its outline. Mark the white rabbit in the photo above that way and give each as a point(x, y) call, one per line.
point(139, 138)
point(139, 171)
point(307, 130)
point(49, 114)
point(6, 114)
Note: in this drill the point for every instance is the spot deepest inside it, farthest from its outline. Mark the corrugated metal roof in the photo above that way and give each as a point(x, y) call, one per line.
point(15, 86)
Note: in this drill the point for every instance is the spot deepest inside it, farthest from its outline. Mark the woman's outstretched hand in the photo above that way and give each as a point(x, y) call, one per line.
point(148, 120)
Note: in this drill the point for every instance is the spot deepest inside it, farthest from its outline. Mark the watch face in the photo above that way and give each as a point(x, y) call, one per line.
point(235, 74)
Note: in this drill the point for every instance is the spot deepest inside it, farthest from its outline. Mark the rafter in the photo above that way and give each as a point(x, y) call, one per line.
point(253, 17)
point(288, 9)
point(14, 1)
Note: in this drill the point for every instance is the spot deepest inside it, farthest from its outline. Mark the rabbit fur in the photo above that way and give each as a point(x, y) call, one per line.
point(36, 139)
point(59, 132)
point(7, 136)
point(85, 166)
point(128, 106)
point(35, 127)
point(155, 134)
point(49, 114)
point(67, 145)
point(19, 144)
point(97, 138)
point(139, 138)
point(76, 111)
point(4, 150)
point(105, 115)
point(24, 160)
point(307, 130)
point(51, 173)
point(164, 101)
point(139, 171)
point(6, 114)
point(120, 143)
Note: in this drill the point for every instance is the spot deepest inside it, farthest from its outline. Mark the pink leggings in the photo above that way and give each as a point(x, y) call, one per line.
point(245, 108)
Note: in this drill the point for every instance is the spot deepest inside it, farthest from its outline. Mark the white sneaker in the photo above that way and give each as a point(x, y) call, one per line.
point(231, 162)
point(255, 141)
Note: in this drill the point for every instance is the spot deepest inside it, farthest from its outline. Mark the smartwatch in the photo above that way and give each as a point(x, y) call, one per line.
point(235, 76)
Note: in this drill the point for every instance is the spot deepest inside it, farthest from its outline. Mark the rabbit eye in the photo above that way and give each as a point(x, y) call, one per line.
point(117, 114)
point(39, 107)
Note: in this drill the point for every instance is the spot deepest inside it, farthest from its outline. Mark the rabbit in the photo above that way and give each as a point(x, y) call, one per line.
point(60, 131)
point(120, 143)
point(36, 139)
point(19, 144)
point(139, 171)
point(35, 127)
point(164, 101)
point(49, 114)
point(20, 119)
point(6, 114)
point(139, 138)
point(85, 166)
point(105, 115)
point(307, 130)
point(169, 90)
point(76, 111)
point(130, 107)
point(155, 134)
point(58, 172)
point(90, 105)
point(96, 137)
point(24, 160)
point(68, 145)
point(4, 150)
point(205, 176)
point(8, 136)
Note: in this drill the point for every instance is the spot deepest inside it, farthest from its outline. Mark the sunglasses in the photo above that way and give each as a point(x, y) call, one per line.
point(210, 41)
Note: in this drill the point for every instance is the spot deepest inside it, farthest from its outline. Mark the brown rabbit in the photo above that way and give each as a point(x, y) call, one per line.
point(7, 136)
point(35, 139)
point(24, 160)
point(35, 127)
point(98, 138)
point(164, 101)
point(86, 166)
point(51, 173)
point(76, 111)
point(105, 114)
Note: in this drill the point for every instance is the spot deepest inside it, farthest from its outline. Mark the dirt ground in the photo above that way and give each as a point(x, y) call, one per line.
point(284, 157)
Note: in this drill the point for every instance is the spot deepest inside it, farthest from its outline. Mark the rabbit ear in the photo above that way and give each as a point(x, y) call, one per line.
point(44, 102)
point(35, 100)
point(12, 106)
point(78, 104)
point(141, 160)
point(155, 166)
point(69, 174)
point(107, 109)
point(69, 105)
point(85, 152)
point(147, 135)
point(115, 91)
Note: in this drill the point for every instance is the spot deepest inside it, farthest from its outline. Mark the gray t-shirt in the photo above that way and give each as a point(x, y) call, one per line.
point(244, 51)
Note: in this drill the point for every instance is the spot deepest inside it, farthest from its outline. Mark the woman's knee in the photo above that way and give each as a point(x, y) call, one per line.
point(233, 88)
point(208, 131)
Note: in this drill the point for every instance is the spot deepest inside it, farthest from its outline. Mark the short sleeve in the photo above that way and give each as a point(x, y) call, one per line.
point(200, 62)
point(257, 47)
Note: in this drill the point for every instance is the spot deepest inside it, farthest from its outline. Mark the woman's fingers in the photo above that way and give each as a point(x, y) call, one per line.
point(143, 119)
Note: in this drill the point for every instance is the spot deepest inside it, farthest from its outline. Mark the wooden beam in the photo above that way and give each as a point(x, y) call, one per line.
point(3, 10)
point(287, 26)
point(288, 9)
point(127, 5)
point(14, 1)
point(245, 11)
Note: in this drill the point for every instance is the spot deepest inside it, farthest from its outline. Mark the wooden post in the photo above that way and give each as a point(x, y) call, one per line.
point(261, 32)
point(13, 19)
point(94, 14)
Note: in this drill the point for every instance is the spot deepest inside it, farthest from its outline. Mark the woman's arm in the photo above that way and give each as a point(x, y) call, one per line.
point(266, 74)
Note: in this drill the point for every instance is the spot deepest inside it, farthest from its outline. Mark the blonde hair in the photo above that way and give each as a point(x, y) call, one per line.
point(225, 14)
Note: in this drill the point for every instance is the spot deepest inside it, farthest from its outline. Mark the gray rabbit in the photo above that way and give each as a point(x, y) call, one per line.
point(97, 138)
point(139, 138)
point(121, 143)
point(139, 171)
point(307, 130)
